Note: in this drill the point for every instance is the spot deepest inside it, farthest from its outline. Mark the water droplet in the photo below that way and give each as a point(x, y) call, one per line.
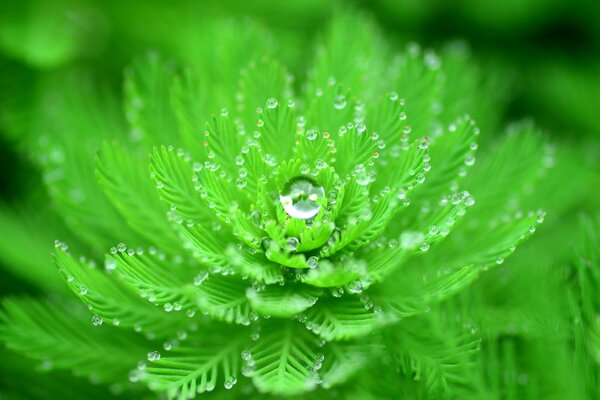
point(302, 198)
point(97, 320)
point(230, 382)
point(311, 134)
point(470, 160)
point(200, 278)
point(240, 182)
point(246, 355)
point(312, 262)
point(168, 307)
point(292, 243)
point(271, 102)
point(270, 160)
point(340, 102)
point(83, 290)
point(121, 247)
point(153, 356)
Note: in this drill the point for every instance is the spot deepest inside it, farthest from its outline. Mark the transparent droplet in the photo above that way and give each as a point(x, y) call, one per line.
point(97, 320)
point(272, 102)
point(153, 356)
point(312, 262)
point(311, 134)
point(302, 198)
point(340, 102)
point(230, 382)
point(200, 278)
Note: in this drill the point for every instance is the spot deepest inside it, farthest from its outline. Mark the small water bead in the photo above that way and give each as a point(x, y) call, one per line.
point(292, 243)
point(270, 160)
point(312, 262)
point(121, 247)
point(200, 278)
point(499, 260)
point(302, 198)
point(272, 102)
point(321, 164)
point(168, 307)
point(305, 169)
point(470, 160)
point(97, 320)
point(83, 290)
point(153, 356)
point(230, 382)
point(311, 134)
point(241, 182)
point(246, 355)
point(424, 247)
point(340, 102)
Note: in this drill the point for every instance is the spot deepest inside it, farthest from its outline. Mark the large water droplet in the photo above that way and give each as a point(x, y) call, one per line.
point(302, 198)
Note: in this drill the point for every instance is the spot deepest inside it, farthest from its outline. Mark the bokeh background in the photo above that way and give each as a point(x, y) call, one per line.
point(538, 60)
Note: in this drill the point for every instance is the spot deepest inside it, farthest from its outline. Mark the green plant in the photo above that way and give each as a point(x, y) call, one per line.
point(284, 248)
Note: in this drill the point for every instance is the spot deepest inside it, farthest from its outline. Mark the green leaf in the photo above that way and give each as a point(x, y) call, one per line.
point(433, 227)
point(283, 301)
point(452, 152)
point(345, 318)
point(65, 337)
point(189, 370)
point(436, 353)
point(283, 357)
point(107, 297)
point(509, 171)
point(126, 181)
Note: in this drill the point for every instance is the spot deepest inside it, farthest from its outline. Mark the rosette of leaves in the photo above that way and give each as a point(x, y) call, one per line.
point(280, 237)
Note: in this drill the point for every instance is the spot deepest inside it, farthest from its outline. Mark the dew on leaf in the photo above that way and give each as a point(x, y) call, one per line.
point(97, 320)
point(302, 198)
point(230, 382)
point(153, 356)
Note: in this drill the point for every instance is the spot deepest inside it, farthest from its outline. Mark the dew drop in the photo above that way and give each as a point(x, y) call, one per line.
point(311, 134)
point(230, 382)
point(97, 320)
point(153, 356)
point(271, 102)
point(312, 262)
point(340, 102)
point(302, 198)
point(200, 278)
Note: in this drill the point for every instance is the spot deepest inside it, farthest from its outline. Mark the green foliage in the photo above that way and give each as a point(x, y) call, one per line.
point(327, 229)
